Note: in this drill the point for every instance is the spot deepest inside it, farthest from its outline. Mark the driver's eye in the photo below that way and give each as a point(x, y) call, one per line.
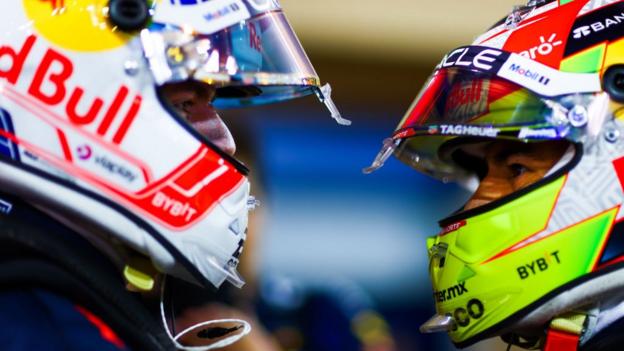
point(183, 106)
point(517, 169)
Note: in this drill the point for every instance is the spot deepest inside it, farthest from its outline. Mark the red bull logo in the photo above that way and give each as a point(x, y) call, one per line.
point(50, 86)
point(466, 99)
point(177, 200)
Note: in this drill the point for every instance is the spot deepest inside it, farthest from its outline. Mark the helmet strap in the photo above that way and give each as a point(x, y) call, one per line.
point(565, 331)
point(557, 340)
point(211, 329)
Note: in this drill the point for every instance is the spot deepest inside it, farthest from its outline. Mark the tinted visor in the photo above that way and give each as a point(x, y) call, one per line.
point(482, 92)
point(255, 61)
point(468, 103)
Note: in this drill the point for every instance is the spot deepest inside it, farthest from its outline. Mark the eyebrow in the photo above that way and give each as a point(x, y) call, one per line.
point(519, 150)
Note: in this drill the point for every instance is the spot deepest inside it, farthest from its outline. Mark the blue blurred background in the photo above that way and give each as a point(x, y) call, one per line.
point(329, 244)
point(331, 229)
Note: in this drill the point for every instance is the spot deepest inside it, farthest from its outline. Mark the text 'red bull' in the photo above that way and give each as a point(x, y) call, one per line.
point(54, 71)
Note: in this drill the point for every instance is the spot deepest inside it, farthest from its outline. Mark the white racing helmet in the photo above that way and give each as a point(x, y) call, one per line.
point(87, 136)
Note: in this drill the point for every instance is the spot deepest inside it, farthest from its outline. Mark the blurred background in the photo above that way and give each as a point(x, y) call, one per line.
point(337, 259)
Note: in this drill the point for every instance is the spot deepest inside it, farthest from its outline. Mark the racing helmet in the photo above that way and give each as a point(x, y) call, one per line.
point(548, 255)
point(88, 135)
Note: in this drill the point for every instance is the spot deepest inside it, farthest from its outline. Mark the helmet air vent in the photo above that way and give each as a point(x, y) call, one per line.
point(128, 15)
point(613, 83)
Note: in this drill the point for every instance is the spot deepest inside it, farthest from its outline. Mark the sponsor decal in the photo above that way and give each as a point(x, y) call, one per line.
point(433, 130)
point(546, 81)
point(581, 32)
point(584, 31)
point(173, 207)
point(186, 198)
point(450, 293)
point(5, 206)
point(469, 130)
point(187, 2)
point(452, 227)
point(467, 99)
point(30, 155)
point(474, 310)
point(254, 39)
point(544, 40)
point(545, 47)
point(50, 86)
point(603, 24)
point(87, 125)
point(542, 264)
point(528, 73)
point(406, 133)
point(525, 72)
point(542, 133)
point(85, 153)
point(478, 58)
point(467, 93)
point(222, 12)
point(115, 168)
point(258, 5)
point(203, 16)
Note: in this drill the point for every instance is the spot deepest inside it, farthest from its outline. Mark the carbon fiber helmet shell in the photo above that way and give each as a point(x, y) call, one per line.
point(545, 72)
point(86, 136)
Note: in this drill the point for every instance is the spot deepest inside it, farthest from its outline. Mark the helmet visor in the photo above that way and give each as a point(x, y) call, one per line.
point(505, 98)
point(257, 60)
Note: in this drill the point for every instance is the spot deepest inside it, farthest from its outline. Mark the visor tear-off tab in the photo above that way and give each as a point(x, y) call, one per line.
point(565, 332)
point(324, 94)
point(388, 148)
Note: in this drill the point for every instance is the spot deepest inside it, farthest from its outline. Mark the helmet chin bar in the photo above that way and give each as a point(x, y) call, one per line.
point(594, 296)
point(599, 299)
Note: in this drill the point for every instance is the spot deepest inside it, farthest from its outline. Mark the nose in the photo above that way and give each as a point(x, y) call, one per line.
point(207, 122)
point(495, 185)
point(490, 189)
